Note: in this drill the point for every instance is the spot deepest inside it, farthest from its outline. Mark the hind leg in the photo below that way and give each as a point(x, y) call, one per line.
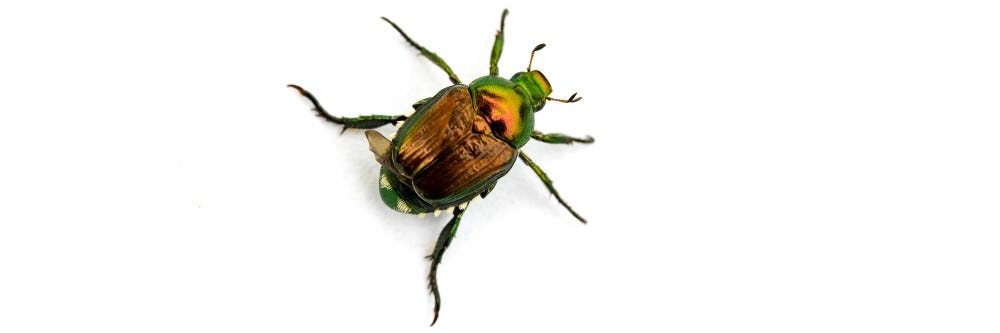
point(443, 241)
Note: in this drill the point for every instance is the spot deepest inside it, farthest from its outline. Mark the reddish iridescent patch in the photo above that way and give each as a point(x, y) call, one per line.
point(502, 109)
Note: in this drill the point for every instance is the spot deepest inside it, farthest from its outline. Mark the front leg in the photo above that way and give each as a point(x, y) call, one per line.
point(559, 138)
point(363, 122)
point(427, 53)
point(497, 46)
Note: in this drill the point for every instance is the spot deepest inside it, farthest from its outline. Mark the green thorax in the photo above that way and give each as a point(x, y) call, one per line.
point(509, 105)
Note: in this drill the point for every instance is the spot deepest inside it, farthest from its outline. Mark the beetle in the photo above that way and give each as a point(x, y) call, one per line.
point(458, 143)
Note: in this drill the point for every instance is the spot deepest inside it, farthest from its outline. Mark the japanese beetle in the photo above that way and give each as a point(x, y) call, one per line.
point(457, 143)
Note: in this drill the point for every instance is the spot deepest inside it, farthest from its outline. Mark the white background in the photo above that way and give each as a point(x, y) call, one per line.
point(777, 166)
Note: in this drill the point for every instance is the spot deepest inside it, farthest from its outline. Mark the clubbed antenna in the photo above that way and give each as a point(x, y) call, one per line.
point(539, 47)
point(572, 99)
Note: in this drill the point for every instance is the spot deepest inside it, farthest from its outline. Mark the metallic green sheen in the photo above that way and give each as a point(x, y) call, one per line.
point(400, 197)
point(525, 114)
point(536, 86)
point(458, 143)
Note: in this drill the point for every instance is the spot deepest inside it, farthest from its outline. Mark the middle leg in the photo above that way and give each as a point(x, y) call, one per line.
point(548, 184)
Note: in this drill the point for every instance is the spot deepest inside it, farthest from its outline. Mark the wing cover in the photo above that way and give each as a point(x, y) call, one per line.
point(447, 151)
point(442, 124)
point(462, 171)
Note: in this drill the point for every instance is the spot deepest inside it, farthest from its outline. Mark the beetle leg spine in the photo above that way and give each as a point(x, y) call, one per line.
point(548, 184)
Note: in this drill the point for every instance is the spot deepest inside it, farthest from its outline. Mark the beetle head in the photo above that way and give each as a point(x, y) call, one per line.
point(535, 86)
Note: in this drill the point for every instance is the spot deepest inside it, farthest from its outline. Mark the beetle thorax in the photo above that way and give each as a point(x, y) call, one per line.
point(506, 108)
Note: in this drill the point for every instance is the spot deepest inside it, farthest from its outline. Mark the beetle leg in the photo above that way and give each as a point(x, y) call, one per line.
point(447, 234)
point(363, 122)
point(430, 55)
point(559, 138)
point(548, 184)
point(497, 46)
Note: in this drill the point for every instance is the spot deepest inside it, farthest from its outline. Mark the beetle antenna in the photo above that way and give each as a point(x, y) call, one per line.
point(572, 99)
point(539, 47)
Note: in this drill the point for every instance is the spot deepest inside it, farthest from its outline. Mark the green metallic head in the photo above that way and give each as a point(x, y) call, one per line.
point(536, 87)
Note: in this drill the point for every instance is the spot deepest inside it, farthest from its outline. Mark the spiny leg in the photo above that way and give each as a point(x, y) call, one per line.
point(430, 55)
point(559, 138)
point(548, 184)
point(442, 244)
point(364, 122)
point(497, 46)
